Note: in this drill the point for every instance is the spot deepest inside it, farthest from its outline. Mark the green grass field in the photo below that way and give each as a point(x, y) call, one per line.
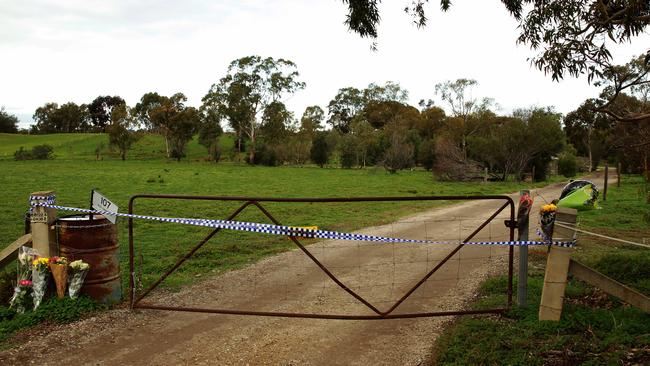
point(119, 180)
point(82, 146)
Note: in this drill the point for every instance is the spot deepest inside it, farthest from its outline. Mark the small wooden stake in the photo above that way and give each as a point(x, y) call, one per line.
point(618, 175)
point(557, 267)
point(42, 218)
point(606, 178)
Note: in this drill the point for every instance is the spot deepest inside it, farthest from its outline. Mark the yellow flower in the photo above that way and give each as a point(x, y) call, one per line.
point(41, 261)
point(548, 208)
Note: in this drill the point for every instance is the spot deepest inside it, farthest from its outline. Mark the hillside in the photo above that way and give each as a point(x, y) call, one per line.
point(82, 146)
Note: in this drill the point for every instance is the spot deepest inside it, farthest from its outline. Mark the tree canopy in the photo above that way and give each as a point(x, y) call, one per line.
point(8, 122)
point(569, 37)
point(252, 84)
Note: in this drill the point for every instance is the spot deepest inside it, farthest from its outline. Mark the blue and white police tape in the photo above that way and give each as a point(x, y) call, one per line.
point(292, 231)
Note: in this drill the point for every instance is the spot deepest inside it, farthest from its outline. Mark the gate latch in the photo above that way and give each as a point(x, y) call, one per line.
point(510, 223)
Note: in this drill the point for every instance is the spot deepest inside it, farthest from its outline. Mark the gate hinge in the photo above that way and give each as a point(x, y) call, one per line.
point(510, 223)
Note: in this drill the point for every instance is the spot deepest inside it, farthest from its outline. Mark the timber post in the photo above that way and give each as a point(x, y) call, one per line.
point(41, 221)
point(557, 267)
point(618, 175)
point(606, 178)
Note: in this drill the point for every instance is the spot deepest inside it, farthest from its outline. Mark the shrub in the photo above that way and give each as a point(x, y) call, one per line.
point(22, 154)
point(320, 149)
point(349, 156)
point(264, 155)
point(567, 165)
point(38, 152)
point(42, 152)
point(215, 151)
point(427, 154)
point(399, 155)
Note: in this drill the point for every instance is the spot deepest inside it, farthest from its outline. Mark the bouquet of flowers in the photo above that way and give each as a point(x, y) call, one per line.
point(19, 300)
point(23, 278)
point(26, 256)
point(40, 275)
point(59, 268)
point(547, 219)
point(79, 271)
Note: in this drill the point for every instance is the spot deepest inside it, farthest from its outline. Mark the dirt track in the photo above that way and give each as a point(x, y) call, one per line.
point(290, 283)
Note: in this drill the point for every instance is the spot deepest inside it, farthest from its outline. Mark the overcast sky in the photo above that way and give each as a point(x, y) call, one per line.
point(75, 50)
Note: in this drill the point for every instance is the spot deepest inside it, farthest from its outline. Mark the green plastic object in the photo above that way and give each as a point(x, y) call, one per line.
point(579, 196)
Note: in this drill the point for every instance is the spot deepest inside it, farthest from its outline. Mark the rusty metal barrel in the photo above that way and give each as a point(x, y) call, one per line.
point(95, 242)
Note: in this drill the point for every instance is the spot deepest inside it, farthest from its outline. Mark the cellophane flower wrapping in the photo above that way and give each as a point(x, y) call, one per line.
point(20, 300)
point(40, 275)
point(78, 271)
point(23, 287)
point(547, 220)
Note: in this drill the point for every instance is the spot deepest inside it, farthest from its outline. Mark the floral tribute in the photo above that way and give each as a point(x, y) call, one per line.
point(23, 279)
point(547, 219)
point(78, 271)
point(40, 275)
point(20, 300)
point(59, 269)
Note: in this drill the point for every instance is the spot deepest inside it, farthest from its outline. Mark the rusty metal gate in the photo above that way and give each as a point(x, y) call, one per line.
point(136, 299)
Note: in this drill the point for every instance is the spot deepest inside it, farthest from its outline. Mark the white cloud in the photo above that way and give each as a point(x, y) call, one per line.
point(76, 50)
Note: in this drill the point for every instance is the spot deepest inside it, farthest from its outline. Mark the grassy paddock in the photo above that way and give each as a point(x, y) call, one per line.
point(595, 329)
point(119, 180)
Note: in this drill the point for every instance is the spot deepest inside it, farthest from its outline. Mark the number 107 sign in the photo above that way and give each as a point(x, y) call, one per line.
point(99, 202)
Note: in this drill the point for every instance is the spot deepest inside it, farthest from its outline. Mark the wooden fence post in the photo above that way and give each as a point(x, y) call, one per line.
point(557, 267)
point(618, 175)
point(41, 220)
point(606, 178)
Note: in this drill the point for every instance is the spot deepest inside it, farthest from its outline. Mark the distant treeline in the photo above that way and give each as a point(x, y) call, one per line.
point(362, 127)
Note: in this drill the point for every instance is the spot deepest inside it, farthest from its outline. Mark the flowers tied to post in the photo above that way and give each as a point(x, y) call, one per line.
point(547, 219)
point(78, 271)
point(23, 286)
point(40, 274)
point(20, 299)
point(59, 268)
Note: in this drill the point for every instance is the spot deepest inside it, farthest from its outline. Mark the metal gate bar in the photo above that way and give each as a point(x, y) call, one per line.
point(248, 201)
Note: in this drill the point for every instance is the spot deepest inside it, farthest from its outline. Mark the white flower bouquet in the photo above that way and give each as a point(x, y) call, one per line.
point(78, 271)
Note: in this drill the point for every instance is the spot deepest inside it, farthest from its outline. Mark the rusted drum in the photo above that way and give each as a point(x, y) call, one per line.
point(95, 242)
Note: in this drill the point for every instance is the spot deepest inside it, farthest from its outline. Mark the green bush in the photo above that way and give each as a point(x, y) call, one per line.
point(264, 155)
point(22, 154)
point(348, 151)
point(42, 152)
point(38, 152)
point(567, 165)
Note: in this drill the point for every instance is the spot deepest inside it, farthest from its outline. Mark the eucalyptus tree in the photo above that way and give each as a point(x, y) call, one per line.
point(101, 109)
point(8, 122)
point(568, 37)
point(350, 103)
point(458, 95)
point(120, 131)
point(251, 84)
